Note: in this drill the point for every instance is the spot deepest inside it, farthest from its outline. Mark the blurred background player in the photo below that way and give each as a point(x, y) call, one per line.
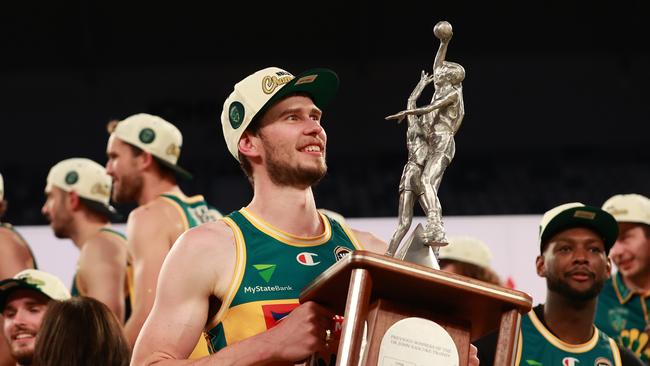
point(469, 257)
point(625, 300)
point(15, 256)
point(77, 206)
point(24, 300)
point(143, 152)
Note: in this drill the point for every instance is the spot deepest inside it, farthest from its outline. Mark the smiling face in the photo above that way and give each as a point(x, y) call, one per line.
point(292, 142)
point(23, 314)
point(631, 252)
point(574, 264)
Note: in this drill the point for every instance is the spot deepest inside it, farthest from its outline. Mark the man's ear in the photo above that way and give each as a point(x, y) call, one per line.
point(74, 201)
point(249, 145)
point(540, 265)
point(609, 268)
point(145, 160)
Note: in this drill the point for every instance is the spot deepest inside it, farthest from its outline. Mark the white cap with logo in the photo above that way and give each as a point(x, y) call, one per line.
point(87, 179)
point(633, 208)
point(33, 279)
point(467, 249)
point(155, 136)
point(261, 90)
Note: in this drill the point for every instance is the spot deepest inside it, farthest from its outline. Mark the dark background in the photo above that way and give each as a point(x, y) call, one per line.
point(555, 94)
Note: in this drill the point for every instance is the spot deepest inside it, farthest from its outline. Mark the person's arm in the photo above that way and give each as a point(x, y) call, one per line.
point(148, 243)
point(436, 104)
point(187, 280)
point(103, 272)
point(15, 256)
point(370, 242)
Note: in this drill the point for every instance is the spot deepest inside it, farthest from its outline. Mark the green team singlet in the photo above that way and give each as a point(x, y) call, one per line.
point(271, 270)
point(129, 290)
point(623, 315)
point(194, 210)
point(13, 230)
point(539, 347)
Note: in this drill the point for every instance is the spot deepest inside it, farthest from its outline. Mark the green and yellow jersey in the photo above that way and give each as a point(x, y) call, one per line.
point(623, 315)
point(539, 347)
point(272, 268)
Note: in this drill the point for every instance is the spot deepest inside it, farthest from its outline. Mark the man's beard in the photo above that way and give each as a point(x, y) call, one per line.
point(129, 189)
point(561, 287)
point(23, 356)
point(283, 174)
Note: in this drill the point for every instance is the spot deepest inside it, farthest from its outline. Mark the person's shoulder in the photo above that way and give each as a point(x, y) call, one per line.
point(210, 237)
point(104, 241)
point(370, 241)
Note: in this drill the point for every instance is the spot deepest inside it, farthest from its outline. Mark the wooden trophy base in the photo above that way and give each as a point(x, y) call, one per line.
point(382, 291)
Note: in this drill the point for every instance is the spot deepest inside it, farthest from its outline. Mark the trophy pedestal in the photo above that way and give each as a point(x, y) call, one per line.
point(384, 291)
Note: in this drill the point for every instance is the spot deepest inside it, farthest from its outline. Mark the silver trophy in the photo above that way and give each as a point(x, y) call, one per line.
point(430, 142)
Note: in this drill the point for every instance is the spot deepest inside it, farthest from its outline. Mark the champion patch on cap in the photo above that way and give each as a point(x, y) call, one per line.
point(71, 178)
point(147, 135)
point(584, 215)
point(236, 114)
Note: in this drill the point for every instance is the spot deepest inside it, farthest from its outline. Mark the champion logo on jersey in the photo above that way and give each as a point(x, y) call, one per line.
point(602, 361)
point(307, 259)
point(340, 252)
point(570, 361)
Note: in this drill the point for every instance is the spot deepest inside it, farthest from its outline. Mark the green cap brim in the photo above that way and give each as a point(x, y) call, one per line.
point(320, 84)
point(10, 285)
point(589, 217)
point(177, 169)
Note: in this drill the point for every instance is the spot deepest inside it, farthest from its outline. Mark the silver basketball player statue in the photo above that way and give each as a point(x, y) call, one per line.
point(430, 142)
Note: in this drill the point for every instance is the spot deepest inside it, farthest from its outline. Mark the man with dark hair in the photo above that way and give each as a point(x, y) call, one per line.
point(23, 302)
point(623, 306)
point(77, 207)
point(15, 256)
point(574, 241)
point(143, 152)
point(247, 270)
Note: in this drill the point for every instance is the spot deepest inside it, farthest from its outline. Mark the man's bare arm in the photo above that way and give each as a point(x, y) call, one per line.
point(148, 244)
point(180, 311)
point(15, 255)
point(103, 272)
point(436, 104)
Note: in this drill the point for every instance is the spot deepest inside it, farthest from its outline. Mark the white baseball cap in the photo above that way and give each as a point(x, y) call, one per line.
point(86, 178)
point(261, 90)
point(33, 279)
point(467, 249)
point(632, 207)
point(155, 136)
point(576, 214)
point(2, 188)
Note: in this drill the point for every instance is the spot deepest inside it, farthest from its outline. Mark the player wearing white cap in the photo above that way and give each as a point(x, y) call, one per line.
point(24, 298)
point(143, 152)
point(624, 304)
point(247, 270)
point(77, 206)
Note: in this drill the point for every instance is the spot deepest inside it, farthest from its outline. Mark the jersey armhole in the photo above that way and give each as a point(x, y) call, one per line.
point(616, 353)
point(351, 236)
point(238, 274)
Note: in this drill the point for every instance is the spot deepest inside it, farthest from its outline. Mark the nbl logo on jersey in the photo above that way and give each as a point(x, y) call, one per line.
point(340, 252)
point(602, 361)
